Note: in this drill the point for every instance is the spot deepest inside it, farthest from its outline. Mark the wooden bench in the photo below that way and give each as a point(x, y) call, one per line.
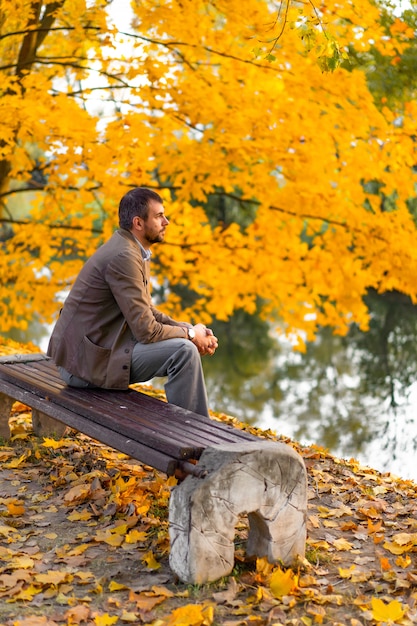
point(259, 476)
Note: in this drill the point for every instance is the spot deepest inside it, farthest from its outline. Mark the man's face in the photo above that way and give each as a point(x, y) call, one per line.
point(155, 224)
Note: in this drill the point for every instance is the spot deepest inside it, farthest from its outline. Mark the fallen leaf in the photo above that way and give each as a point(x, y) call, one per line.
point(382, 612)
point(150, 561)
point(282, 582)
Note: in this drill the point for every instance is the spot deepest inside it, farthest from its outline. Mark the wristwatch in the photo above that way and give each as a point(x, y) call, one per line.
point(191, 333)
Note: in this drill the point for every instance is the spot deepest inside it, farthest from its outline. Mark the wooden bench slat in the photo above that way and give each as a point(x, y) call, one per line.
point(110, 437)
point(201, 431)
point(160, 433)
point(79, 402)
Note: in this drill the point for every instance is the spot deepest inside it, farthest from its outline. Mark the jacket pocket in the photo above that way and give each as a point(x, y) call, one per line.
point(94, 362)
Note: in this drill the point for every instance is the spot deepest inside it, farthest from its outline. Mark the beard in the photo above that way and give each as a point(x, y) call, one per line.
point(154, 237)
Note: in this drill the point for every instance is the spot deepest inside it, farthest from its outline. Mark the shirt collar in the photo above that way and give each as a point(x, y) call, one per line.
point(146, 254)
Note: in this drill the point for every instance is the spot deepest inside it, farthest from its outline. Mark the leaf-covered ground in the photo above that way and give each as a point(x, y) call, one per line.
point(84, 540)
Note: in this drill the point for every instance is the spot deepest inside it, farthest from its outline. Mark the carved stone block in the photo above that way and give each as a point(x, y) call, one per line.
point(267, 481)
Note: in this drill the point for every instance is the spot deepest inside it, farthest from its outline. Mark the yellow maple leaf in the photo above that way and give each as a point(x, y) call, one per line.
point(18, 462)
point(162, 591)
point(282, 582)
point(53, 443)
point(135, 535)
point(105, 619)
point(395, 548)
point(77, 494)
point(150, 561)
point(28, 593)
point(114, 540)
point(263, 567)
point(53, 577)
point(7, 530)
point(403, 539)
point(129, 617)
point(84, 576)
point(23, 562)
point(403, 561)
point(191, 615)
point(391, 612)
point(115, 586)
point(80, 516)
point(346, 573)
point(342, 544)
point(79, 549)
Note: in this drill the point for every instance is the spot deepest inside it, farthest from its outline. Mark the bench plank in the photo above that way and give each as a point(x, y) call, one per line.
point(155, 415)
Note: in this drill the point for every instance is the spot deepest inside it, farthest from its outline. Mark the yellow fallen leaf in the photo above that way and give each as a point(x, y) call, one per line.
point(53, 577)
point(189, 615)
point(115, 586)
point(150, 561)
point(7, 530)
point(77, 614)
point(114, 540)
point(18, 462)
point(403, 561)
point(77, 494)
point(129, 617)
point(382, 612)
point(28, 593)
point(120, 530)
point(403, 539)
point(23, 562)
point(53, 443)
point(263, 566)
point(135, 536)
point(80, 516)
point(105, 620)
point(342, 544)
point(395, 548)
point(163, 591)
point(346, 573)
point(282, 583)
point(84, 576)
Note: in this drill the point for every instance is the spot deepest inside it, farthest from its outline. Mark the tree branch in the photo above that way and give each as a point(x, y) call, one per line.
point(16, 33)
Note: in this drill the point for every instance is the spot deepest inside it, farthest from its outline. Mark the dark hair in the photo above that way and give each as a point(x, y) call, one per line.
point(136, 203)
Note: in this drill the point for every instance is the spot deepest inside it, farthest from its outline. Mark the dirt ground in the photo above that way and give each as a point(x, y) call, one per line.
point(84, 540)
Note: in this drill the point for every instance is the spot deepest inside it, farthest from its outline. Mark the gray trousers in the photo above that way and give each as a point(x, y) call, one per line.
point(176, 359)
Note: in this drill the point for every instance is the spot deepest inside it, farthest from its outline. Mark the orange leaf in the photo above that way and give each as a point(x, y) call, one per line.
point(15, 508)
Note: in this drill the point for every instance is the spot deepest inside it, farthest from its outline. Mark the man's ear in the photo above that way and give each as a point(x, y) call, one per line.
point(138, 223)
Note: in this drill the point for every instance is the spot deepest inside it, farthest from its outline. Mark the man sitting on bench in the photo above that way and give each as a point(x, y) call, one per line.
point(110, 335)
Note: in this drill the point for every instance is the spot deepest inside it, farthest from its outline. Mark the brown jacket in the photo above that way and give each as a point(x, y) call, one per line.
point(108, 310)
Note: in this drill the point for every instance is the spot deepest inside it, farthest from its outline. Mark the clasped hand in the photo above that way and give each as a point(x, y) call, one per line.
point(205, 341)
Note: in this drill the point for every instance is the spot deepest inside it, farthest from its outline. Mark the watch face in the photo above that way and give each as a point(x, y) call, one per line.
point(191, 333)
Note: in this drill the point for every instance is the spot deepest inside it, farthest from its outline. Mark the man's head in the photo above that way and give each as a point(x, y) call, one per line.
point(141, 211)
point(135, 203)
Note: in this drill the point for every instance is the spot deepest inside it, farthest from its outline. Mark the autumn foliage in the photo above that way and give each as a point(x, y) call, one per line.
point(287, 187)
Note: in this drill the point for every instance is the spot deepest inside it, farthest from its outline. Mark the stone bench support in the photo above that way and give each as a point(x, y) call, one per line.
point(267, 481)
